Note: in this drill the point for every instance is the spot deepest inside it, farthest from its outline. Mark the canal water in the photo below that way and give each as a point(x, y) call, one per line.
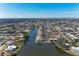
point(32, 49)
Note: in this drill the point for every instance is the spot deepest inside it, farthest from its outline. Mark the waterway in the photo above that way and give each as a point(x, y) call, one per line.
point(32, 49)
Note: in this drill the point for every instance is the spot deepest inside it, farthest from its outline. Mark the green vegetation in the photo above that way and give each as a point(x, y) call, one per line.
point(49, 34)
point(26, 36)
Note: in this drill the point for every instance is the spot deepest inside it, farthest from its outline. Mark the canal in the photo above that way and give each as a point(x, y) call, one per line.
point(32, 49)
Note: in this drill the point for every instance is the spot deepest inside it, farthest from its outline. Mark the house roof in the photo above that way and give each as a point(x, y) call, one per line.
point(9, 42)
point(11, 48)
point(75, 48)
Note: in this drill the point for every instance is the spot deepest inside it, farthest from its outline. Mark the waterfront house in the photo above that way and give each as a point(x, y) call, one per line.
point(11, 48)
point(75, 49)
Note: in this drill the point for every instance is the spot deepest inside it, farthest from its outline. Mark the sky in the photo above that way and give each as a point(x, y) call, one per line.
point(39, 10)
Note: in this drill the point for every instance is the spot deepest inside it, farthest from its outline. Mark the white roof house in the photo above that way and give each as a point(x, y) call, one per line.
point(78, 29)
point(67, 44)
point(27, 30)
point(76, 49)
point(10, 48)
point(9, 42)
point(21, 36)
